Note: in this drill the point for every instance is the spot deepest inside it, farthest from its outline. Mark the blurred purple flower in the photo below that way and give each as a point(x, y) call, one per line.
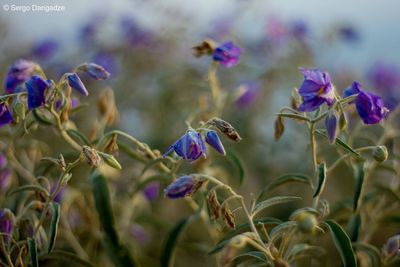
point(45, 49)
point(107, 60)
point(331, 124)
point(36, 87)
point(5, 179)
point(348, 33)
point(151, 191)
point(5, 114)
point(133, 33)
point(213, 140)
point(74, 103)
point(227, 54)
point(276, 29)
point(181, 187)
point(190, 146)
point(75, 82)
point(139, 234)
point(95, 71)
point(3, 161)
point(315, 90)
point(60, 195)
point(6, 224)
point(247, 94)
point(298, 29)
point(370, 107)
point(17, 74)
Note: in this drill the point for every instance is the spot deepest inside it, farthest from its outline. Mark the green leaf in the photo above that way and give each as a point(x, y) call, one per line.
point(33, 252)
point(276, 231)
point(372, 252)
point(55, 217)
point(271, 202)
point(167, 257)
point(28, 188)
point(240, 229)
point(342, 243)
point(354, 226)
point(117, 252)
point(41, 118)
point(78, 135)
point(238, 163)
point(155, 161)
point(293, 116)
point(321, 179)
point(359, 176)
point(64, 257)
point(339, 142)
point(252, 255)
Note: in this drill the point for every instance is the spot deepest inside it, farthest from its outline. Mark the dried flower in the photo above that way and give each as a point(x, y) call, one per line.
point(279, 127)
point(205, 48)
point(316, 90)
point(227, 129)
point(214, 205)
point(91, 156)
point(229, 217)
point(190, 146)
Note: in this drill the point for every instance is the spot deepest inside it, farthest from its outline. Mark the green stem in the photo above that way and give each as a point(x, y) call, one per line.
point(63, 132)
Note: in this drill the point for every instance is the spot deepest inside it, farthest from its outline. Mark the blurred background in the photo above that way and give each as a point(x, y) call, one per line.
point(158, 83)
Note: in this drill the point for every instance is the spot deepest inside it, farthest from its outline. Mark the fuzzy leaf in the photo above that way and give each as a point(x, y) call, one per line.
point(321, 179)
point(257, 255)
point(287, 178)
point(359, 176)
point(271, 202)
point(55, 217)
point(372, 252)
point(339, 142)
point(33, 252)
point(78, 135)
point(342, 243)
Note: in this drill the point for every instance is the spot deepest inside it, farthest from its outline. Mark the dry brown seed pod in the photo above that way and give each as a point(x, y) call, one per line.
point(91, 156)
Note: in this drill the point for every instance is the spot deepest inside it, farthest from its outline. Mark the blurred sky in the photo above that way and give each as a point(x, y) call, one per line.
point(378, 21)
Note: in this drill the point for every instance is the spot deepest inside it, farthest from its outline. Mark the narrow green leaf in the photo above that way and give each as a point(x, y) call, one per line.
point(33, 252)
point(240, 229)
point(117, 252)
point(257, 255)
point(372, 252)
point(271, 202)
point(64, 257)
point(293, 116)
point(276, 231)
point(359, 177)
point(306, 249)
point(167, 257)
point(354, 226)
point(342, 243)
point(55, 217)
point(78, 135)
point(28, 188)
point(321, 179)
point(339, 142)
point(238, 163)
point(41, 118)
point(284, 179)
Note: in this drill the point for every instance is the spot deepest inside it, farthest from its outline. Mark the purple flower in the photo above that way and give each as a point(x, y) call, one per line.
point(5, 115)
point(213, 140)
point(331, 124)
point(190, 146)
point(151, 191)
point(139, 234)
point(75, 82)
point(60, 195)
point(370, 107)
point(316, 90)
point(96, 71)
point(6, 224)
point(74, 103)
point(107, 60)
point(3, 161)
point(348, 33)
point(227, 54)
point(299, 29)
point(248, 94)
point(276, 29)
point(17, 74)
point(133, 32)
point(181, 187)
point(355, 88)
point(45, 49)
point(5, 179)
point(36, 87)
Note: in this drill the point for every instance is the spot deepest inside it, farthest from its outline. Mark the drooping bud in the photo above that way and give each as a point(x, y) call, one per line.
point(380, 153)
point(6, 224)
point(227, 129)
point(91, 156)
point(279, 127)
point(229, 217)
point(213, 140)
point(214, 205)
point(181, 187)
point(75, 82)
point(331, 124)
point(96, 71)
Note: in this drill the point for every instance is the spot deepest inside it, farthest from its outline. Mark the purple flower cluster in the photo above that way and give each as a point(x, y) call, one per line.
point(191, 145)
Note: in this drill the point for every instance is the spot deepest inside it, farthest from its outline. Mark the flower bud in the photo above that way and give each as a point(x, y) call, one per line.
point(6, 223)
point(380, 153)
point(91, 156)
point(331, 124)
point(227, 129)
point(96, 71)
point(151, 191)
point(110, 161)
point(392, 247)
point(279, 127)
point(5, 115)
point(307, 221)
point(75, 82)
point(213, 140)
point(181, 187)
